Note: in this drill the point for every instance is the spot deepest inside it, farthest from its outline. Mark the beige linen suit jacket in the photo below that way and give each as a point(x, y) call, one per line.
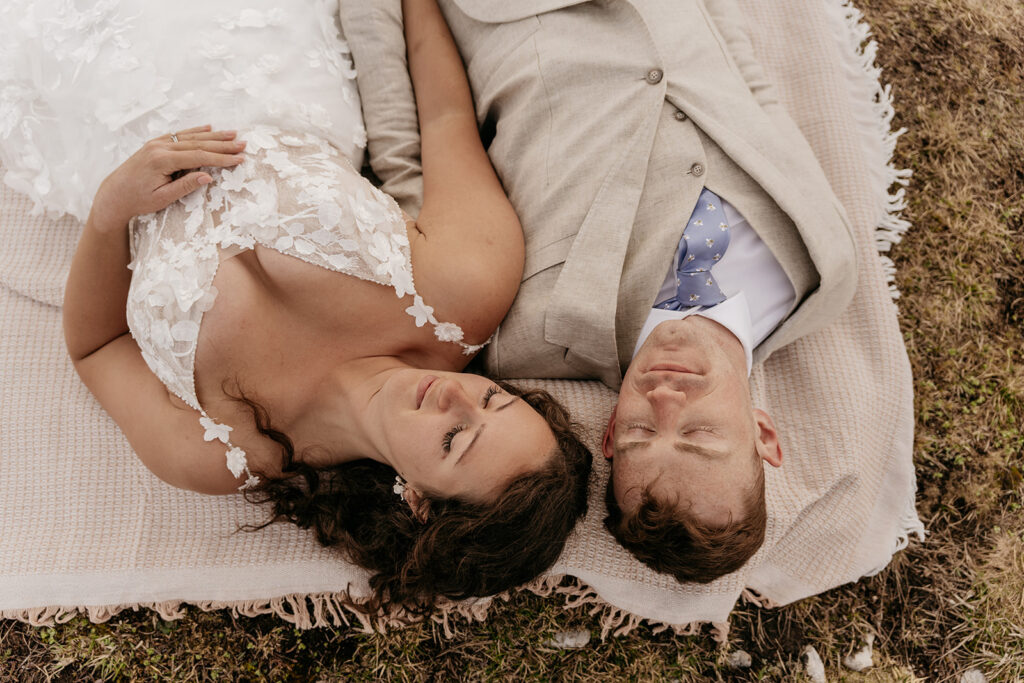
point(604, 119)
point(575, 95)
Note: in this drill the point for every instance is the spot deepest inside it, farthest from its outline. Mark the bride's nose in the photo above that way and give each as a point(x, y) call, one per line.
point(452, 395)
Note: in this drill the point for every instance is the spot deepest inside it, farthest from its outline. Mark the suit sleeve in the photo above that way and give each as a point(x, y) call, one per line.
point(374, 33)
point(732, 26)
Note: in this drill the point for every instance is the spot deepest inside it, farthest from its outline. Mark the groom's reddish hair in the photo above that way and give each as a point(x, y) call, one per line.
point(673, 541)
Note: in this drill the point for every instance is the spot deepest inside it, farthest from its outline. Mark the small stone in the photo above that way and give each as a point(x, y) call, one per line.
point(973, 676)
point(813, 666)
point(738, 660)
point(570, 640)
point(861, 659)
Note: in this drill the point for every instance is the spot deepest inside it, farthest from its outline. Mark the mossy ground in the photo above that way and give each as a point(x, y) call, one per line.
point(953, 602)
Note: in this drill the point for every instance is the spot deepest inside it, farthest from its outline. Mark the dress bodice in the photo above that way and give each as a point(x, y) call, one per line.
point(295, 194)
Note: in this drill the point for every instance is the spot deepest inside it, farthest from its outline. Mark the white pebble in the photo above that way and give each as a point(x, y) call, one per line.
point(973, 676)
point(813, 666)
point(861, 659)
point(738, 660)
point(570, 640)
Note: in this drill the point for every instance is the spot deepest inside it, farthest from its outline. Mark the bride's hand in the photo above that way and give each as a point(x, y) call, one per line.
point(160, 173)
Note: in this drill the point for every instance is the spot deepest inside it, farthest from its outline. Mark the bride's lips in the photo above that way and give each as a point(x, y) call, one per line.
point(421, 388)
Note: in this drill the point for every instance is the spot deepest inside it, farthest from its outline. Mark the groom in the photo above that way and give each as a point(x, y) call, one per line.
point(614, 125)
point(677, 225)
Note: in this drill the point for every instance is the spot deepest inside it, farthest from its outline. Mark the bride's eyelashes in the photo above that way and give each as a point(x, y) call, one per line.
point(446, 443)
point(491, 391)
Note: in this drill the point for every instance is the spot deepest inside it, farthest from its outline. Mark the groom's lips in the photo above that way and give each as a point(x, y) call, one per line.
point(671, 367)
point(421, 388)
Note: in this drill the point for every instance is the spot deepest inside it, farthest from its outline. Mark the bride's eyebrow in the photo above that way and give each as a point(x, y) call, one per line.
point(479, 431)
point(502, 407)
point(473, 441)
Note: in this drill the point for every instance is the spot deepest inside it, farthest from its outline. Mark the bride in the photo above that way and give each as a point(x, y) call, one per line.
point(244, 305)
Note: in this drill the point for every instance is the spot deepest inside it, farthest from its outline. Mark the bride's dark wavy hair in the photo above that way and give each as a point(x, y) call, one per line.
point(463, 549)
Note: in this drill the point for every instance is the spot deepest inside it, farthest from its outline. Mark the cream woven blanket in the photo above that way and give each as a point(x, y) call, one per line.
point(87, 528)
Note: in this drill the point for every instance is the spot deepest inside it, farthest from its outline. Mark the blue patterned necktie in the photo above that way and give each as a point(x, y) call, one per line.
point(702, 245)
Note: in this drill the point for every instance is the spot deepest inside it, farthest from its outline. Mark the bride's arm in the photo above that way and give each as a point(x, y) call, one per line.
point(97, 287)
point(469, 251)
point(166, 438)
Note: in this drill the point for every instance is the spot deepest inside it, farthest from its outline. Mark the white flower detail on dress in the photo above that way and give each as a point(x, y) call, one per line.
point(402, 282)
point(185, 331)
point(236, 461)
point(269, 64)
point(252, 18)
point(329, 215)
point(214, 430)
point(234, 180)
point(215, 51)
point(448, 332)
point(421, 311)
point(260, 137)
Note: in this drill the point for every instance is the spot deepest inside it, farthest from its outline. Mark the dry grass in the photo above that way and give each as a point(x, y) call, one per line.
point(954, 602)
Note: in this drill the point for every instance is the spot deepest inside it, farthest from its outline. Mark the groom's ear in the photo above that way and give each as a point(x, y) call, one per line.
point(419, 505)
point(767, 439)
point(608, 442)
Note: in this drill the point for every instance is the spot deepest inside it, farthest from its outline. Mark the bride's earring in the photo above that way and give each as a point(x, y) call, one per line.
point(399, 487)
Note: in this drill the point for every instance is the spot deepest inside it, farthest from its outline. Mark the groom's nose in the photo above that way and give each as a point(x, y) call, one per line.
point(666, 401)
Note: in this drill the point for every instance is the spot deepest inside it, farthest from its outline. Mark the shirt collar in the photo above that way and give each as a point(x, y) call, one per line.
point(733, 314)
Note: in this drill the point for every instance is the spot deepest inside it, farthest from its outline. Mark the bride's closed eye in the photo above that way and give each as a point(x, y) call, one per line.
point(491, 391)
point(446, 442)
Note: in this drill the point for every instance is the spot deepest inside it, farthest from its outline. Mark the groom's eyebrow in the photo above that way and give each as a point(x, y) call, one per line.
point(698, 450)
point(630, 446)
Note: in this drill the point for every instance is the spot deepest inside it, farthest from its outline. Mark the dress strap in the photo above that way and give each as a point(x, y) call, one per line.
point(237, 461)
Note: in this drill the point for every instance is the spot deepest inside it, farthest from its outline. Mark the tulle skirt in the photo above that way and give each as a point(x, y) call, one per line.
point(84, 83)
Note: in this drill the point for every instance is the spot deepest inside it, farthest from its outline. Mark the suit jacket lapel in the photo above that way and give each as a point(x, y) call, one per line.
point(581, 315)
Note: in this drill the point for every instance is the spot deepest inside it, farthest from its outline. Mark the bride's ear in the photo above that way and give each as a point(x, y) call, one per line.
point(419, 505)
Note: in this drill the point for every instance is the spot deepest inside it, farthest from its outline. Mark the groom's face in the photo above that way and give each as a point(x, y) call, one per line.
point(684, 429)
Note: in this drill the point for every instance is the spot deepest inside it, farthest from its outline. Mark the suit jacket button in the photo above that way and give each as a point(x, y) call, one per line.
point(654, 76)
point(697, 169)
point(680, 116)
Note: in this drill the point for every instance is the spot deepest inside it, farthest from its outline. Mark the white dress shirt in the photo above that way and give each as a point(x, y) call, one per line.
point(759, 295)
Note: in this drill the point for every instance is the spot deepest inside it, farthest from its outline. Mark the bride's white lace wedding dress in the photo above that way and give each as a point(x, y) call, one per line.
point(83, 83)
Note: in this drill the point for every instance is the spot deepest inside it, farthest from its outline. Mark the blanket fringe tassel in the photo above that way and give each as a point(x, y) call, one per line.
point(890, 182)
point(337, 609)
point(910, 525)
